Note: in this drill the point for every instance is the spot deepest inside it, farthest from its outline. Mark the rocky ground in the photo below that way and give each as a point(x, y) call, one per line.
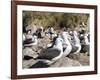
point(80, 59)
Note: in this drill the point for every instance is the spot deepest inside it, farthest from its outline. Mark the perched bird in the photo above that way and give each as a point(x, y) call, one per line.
point(54, 34)
point(30, 40)
point(85, 43)
point(66, 43)
point(86, 39)
point(39, 33)
point(51, 55)
point(50, 31)
point(76, 46)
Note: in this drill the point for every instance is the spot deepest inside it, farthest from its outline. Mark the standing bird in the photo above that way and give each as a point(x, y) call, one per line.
point(30, 40)
point(51, 55)
point(51, 32)
point(66, 43)
point(85, 43)
point(76, 46)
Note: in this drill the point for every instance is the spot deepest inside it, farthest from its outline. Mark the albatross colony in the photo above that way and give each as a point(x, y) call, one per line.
point(40, 49)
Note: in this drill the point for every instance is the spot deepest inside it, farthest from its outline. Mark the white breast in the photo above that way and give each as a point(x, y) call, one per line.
point(67, 43)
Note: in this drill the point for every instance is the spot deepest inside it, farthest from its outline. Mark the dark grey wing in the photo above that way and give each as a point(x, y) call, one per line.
point(28, 41)
point(74, 48)
point(49, 54)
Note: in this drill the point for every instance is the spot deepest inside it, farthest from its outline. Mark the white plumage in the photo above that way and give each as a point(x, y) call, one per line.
point(51, 55)
point(24, 38)
point(86, 39)
point(30, 40)
point(66, 43)
point(76, 42)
